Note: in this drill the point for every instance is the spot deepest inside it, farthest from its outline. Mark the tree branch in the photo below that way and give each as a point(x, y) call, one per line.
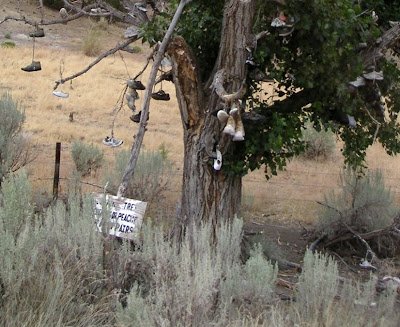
point(373, 54)
point(22, 18)
point(120, 46)
point(146, 102)
point(217, 85)
point(125, 17)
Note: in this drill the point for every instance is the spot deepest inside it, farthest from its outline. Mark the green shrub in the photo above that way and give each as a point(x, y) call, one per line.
point(320, 145)
point(87, 158)
point(7, 35)
point(151, 177)
point(137, 49)
point(8, 44)
point(363, 202)
point(91, 42)
point(16, 148)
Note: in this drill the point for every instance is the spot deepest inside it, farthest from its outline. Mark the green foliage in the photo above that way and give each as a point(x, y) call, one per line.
point(313, 66)
point(8, 44)
point(7, 35)
point(91, 42)
point(200, 25)
point(16, 149)
point(151, 177)
point(364, 203)
point(137, 49)
point(320, 145)
point(87, 158)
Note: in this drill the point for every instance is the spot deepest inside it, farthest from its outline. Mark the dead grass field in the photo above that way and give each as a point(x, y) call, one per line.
point(290, 196)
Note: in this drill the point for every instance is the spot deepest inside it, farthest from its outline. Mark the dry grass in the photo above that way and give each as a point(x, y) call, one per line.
point(291, 195)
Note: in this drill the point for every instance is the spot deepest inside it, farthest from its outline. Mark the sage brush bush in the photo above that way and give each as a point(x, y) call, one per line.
point(150, 179)
point(195, 283)
point(91, 42)
point(87, 157)
point(16, 149)
point(51, 270)
point(324, 299)
point(364, 202)
point(320, 144)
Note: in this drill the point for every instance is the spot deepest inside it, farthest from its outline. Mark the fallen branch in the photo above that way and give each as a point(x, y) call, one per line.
point(365, 243)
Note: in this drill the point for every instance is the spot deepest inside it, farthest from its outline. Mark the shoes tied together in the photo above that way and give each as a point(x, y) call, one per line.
point(233, 120)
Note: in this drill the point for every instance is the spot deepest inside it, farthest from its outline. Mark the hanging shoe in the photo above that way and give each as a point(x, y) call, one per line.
point(222, 116)
point(38, 33)
point(277, 22)
point(110, 141)
point(374, 76)
point(285, 31)
point(230, 125)
point(366, 265)
point(60, 94)
point(160, 95)
point(136, 118)
point(359, 81)
point(136, 85)
point(133, 93)
point(131, 105)
point(33, 67)
point(239, 129)
point(218, 162)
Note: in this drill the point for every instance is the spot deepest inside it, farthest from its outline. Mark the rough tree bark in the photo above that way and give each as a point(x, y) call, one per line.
point(208, 194)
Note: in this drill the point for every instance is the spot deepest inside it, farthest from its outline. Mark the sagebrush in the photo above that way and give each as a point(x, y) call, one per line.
point(87, 157)
point(57, 269)
point(16, 148)
point(363, 202)
point(320, 144)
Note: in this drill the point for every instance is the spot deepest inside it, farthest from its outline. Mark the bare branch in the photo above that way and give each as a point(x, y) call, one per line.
point(146, 102)
point(352, 231)
point(378, 124)
point(373, 54)
point(120, 46)
point(262, 34)
point(167, 76)
point(217, 85)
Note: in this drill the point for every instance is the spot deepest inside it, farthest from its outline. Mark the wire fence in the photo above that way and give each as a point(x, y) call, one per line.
point(299, 184)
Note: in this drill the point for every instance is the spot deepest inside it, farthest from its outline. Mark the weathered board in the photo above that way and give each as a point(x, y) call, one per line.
point(126, 215)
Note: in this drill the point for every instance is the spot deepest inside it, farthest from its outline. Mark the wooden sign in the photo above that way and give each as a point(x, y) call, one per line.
point(126, 215)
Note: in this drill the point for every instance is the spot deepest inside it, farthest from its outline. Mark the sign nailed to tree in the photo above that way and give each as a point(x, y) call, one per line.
point(126, 215)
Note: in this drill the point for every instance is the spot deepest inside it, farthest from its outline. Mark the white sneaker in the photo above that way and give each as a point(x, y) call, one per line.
point(218, 161)
point(222, 116)
point(110, 141)
point(60, 94)
point(366, 265)
point(277, 22)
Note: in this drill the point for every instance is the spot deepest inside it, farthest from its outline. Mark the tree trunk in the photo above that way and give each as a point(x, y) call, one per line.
point(208, 194)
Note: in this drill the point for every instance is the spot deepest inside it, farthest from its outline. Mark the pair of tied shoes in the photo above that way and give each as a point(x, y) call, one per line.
point(234, 125)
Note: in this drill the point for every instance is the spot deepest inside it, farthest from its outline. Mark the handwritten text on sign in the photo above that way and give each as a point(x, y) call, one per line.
point(126, 215)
